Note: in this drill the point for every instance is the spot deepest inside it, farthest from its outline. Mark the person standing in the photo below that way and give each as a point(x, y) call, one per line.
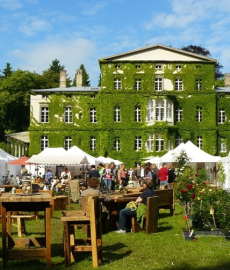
point(48, 176)
point(163, 175)
point(114, 174)
point(101, 171)
point(107, 174)
point(123, 176)
point(93, 172)
point(65, 175)
point(155, 178)
point(172, 175)
point(134, 177)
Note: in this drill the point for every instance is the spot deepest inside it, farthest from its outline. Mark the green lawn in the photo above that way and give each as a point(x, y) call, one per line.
point(165, 250)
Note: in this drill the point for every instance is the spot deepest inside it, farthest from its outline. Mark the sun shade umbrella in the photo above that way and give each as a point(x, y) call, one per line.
point(20, 161)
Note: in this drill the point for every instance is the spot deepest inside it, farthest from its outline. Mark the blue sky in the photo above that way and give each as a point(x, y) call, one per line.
point(35, 32)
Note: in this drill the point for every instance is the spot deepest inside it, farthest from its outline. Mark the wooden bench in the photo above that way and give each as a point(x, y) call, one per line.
point(166, 199)
point(151, 217)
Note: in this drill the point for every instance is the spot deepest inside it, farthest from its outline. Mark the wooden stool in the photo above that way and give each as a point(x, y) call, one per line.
point(90, 216)
point(21, 222)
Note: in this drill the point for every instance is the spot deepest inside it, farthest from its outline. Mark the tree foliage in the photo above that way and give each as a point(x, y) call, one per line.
point(7, 71)
point(203, 51)
point(85, 77)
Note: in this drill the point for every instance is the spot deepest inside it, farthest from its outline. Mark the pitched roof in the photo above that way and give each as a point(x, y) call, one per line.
point(155, 47)
point(69, 89)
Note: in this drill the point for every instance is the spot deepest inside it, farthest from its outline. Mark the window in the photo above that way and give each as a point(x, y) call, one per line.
point(117, 145)
point(150, 110)
point(44, 142)
point(138, 143)
point(159, 110)
point(178, 84)
point(93, 115)
point(137, 84)
point(68, 115)
point(117, 117)
point(44, 96)
point(44, 115)
point(117, 84)
point(149, 144)
point(199, 142)
point(158, 66)
point(92, 96)
point(137, 114)
point(92, 143)
point(179, 114)
point(178, 67)
point(198, 67)
point(199, 85)
point(138, 66)
point(159, 143)
point(223, 148)
point(69, 96)
point(68, 142)
point(199, 114)
point(222, 116)
point(158, 86)
point(117, 66)
point(178, 140)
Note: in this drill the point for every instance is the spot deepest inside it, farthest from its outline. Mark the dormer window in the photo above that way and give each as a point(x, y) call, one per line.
point(138, 66)
point(117, 66)
point(178, 67)
point(158, 66)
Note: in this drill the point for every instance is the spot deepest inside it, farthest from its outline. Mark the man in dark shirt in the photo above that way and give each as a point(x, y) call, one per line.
point(93, 172)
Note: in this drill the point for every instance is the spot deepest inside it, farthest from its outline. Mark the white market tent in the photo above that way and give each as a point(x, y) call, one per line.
point(4, 167)
point(226, 164)
point(194, 153)
point(109, 160)
point(76, 151)
point(56, 156)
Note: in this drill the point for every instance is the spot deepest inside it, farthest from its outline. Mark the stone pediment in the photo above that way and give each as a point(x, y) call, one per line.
point(159, 53)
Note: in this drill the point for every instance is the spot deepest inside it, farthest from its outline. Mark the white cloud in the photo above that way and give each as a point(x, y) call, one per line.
point(93, 8)
point(70, 52)
point(32, 25)
point(11, 4)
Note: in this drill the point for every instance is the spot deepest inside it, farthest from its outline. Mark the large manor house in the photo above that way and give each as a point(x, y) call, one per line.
point(150, 100)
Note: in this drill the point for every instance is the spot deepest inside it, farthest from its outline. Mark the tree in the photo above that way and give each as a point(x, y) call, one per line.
point(56, 66)
point(99, 81)
point(203, 51)
point(7, 71)
point(85, 77)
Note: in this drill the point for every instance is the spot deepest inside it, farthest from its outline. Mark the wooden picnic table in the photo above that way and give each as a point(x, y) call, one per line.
point(29, 203)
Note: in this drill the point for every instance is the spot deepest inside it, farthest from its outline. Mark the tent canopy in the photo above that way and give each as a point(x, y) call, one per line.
point(109, 160)
point(76, 151)
point(57, 156)
point(19, 161)
point(194, 153)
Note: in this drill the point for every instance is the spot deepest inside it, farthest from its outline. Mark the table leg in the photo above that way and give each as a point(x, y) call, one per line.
point(48, 238)
point(4, 246)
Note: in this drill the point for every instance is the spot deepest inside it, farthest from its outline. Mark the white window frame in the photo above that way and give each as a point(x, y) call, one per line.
point(68, 116)
point(117, 145)
point(158, 66)
point(44, 114)
point(159, 143)
point(158, 84)
point(68, 142)
point(93, 118)
point(117, 116)
point(199, 114)
point(150, 143)
point(137, 84)
point(199, 142)
point(179, 112)
point(222, 116)
point(178, 140)
point(223, 146)
point(137, 114)
point(178, 67)
point(92, 143)
point(138, 143)
point(160, 110)
point(199, 84)
point(138, 66)
point(44, 142)
point(117, 84)
point(179, 84)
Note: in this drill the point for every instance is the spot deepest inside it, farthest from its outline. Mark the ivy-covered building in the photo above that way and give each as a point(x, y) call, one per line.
point(150, 100)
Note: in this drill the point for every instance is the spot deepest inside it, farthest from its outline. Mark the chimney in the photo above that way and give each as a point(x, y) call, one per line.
point(79, 77)
point(227, 79)
point(62, 78)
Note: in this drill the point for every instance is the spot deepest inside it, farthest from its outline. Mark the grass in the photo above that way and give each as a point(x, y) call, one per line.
point(165, 250)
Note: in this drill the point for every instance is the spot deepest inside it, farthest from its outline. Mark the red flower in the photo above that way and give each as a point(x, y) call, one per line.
point(183, 191)
point(193, 196)
point(197, 175)
point(190, 186)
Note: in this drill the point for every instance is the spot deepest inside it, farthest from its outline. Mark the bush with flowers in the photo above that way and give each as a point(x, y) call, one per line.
point(209, 205)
